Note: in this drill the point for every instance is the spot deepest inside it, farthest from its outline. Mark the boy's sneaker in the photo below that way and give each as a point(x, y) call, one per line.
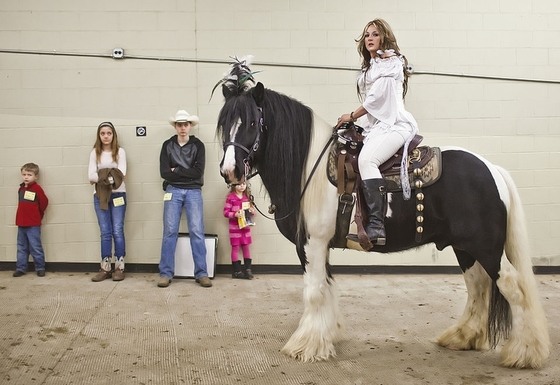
point(164, 281)
point(18, 273)
point(40, 273)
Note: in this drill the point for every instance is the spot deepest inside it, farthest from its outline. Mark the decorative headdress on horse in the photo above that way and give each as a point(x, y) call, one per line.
point(239, 78)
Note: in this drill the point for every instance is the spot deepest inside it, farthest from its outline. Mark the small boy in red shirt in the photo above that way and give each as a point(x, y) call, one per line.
point(32, 203)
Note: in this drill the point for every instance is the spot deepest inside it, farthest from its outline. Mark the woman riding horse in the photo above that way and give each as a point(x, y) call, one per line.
point(388, 126)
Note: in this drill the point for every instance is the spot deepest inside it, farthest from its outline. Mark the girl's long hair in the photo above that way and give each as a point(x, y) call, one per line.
point(114, 144)
point(388, 41)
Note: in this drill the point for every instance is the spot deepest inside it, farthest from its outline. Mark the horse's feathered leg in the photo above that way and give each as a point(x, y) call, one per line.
point(319, 326)
point(470, 332)
point(528, 345)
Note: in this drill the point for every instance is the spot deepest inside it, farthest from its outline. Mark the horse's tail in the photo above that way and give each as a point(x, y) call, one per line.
point(516, 248)
point(517, 242)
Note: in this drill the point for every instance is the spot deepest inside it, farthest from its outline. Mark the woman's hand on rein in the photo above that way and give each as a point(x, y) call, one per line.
point(344, 118)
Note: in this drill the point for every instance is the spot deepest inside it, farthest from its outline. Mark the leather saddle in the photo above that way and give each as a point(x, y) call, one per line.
point(424, 167)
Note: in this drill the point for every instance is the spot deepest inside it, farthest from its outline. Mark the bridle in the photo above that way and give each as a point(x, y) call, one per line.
point(248, 160)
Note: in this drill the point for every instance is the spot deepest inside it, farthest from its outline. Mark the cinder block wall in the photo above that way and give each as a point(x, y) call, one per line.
point(52, 101)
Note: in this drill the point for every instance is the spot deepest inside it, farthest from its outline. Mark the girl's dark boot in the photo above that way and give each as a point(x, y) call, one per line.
point(237, 272)
point(248, 271)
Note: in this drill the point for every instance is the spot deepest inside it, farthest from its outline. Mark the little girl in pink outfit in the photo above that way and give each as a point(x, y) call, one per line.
point(236, 208)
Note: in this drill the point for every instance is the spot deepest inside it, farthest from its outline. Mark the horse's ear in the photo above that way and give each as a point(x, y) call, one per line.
point(228, 93)
point(258, 94)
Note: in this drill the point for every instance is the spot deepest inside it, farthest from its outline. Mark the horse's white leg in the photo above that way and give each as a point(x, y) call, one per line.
point(320, 324)
point(471, 330)
point(528, 345)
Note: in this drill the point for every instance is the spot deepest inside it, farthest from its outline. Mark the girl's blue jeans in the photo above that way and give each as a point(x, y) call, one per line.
point(111, 225)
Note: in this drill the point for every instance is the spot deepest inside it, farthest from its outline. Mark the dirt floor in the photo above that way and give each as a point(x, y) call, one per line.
point(65, 329)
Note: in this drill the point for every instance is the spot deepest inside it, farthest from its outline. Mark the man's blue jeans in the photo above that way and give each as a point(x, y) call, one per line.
point(29, 242)
point(191, 201)
point(111, 226)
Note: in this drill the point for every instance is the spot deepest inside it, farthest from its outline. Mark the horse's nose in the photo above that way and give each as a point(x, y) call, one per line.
point(228, 174)
point(226, 177)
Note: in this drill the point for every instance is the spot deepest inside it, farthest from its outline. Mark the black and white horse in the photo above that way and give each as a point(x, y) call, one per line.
point(474, 208)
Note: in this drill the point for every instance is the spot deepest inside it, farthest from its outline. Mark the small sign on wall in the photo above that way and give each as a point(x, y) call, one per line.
point(141, 131)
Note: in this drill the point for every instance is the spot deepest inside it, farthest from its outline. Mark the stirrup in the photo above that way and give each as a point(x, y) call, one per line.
point(352, 237)
point(378, 241)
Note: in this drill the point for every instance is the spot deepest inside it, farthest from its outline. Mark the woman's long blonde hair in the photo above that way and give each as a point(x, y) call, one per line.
point(114, 144)
point(388, 41)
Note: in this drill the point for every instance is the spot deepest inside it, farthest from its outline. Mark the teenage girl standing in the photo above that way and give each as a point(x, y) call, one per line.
point(107, 170)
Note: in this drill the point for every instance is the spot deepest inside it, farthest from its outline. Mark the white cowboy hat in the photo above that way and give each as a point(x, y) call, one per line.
point(183, 116)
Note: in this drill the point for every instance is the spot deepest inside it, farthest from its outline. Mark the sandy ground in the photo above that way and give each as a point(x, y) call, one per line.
point(65, 329)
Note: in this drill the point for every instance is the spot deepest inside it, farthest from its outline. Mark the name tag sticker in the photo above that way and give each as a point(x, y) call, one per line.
point(118, 201)
point(167, 196)
point(29, 196)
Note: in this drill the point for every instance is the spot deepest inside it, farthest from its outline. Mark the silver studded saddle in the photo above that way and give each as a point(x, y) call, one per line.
point(424, 166)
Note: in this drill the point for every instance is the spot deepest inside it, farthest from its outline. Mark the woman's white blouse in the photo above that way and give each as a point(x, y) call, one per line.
point(381, 88)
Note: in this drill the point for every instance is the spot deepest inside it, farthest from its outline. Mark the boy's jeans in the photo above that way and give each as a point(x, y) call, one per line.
point(111, 226)
point(191, 201)
point(29, 242)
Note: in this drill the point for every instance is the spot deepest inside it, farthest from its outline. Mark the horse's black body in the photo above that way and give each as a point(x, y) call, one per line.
point(474, 208)
point(463, 210)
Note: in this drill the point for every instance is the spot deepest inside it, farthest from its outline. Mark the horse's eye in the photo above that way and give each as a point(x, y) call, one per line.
point(252, 124)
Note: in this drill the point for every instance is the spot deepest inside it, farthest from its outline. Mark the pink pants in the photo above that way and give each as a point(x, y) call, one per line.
point(235, 252)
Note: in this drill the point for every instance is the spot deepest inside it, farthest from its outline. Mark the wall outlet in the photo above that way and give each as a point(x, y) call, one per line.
point(118, 53)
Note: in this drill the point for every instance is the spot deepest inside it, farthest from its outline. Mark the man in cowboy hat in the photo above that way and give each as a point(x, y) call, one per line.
point(181, 165)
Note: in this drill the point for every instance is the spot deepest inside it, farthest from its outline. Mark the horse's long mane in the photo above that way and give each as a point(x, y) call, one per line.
point(288, 136)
